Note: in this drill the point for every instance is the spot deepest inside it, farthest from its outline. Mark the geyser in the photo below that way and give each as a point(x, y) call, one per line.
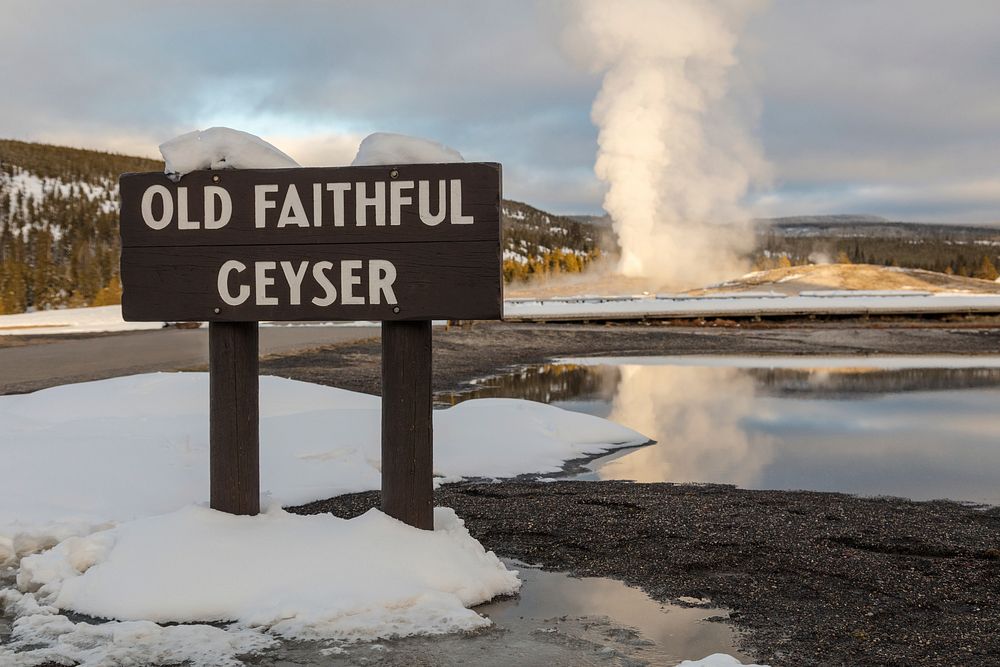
point(674, 145)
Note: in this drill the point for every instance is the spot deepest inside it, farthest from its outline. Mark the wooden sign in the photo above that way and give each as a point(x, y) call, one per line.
point(410, 242)
point(405, 245)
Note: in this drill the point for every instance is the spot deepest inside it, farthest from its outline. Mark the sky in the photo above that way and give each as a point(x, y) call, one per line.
point(884, 107)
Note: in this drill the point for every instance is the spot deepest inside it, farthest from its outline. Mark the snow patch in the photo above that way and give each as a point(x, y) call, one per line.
point(131, 447)
point(301, 577)
point(385, 148)
point(70, 320)
point(220, 148)
point(716, 660)
point(42, 636)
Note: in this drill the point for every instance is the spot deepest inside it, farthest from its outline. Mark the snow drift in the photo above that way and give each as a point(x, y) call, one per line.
point(136, 446)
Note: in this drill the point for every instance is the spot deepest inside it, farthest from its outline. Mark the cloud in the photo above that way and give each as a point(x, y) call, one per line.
point(900, 93)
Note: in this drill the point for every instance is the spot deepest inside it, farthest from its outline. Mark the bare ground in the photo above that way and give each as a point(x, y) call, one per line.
point(811, 578)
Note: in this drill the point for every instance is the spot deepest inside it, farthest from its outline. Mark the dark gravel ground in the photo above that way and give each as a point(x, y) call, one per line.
point(813, 578)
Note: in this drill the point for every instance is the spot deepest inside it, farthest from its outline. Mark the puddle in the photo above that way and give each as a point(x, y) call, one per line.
point(917, 427)
point(556, 620)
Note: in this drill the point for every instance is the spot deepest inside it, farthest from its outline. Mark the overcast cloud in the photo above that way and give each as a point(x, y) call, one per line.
point(889, 107)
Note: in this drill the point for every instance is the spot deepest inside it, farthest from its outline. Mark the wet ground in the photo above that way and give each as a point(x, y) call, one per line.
point(813, 578)
point(556, 620)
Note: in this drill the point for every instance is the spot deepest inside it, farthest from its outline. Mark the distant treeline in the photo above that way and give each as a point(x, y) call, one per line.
point(964, 251)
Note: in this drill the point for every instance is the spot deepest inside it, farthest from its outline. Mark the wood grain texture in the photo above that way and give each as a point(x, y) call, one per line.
point(481, 196)
point(448, 280)
point(407, 429)
point(234, 418)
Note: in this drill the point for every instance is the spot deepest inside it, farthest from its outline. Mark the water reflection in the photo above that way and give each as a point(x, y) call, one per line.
point(696, 416)
point(555, 620)
point(909, 431)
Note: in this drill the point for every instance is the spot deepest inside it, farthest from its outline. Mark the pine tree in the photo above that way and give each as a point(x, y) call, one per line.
point(987, 271)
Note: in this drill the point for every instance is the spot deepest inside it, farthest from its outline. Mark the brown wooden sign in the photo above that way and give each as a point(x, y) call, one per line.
point(409, 242)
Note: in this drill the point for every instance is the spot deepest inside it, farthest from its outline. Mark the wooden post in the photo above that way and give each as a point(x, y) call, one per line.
point(234, 417)
point(407, 440)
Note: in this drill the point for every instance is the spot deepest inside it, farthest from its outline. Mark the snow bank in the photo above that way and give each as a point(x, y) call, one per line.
point(716, 660)
point(131, 447)
point(303, 577)
point(70, 320)
point(220, 148)
point(42, 636)
point(389, 149)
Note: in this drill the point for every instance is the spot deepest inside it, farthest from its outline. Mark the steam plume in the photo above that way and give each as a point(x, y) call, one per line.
point(672, 146)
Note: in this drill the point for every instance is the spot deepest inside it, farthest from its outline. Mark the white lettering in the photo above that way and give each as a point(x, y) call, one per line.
point(424, 194)
point(263, 282)
point(213, 192)
point(348, 280)
point(227, 296)
point(363, 202)
point(338, 190)
point(456, 205)
point(261, 203)
point(329, 291)
point(397, 200)
point(294, 279)
point(182, 211)
point(381, 276)
point(147, 207)
point(317, 204)
point(292, 211)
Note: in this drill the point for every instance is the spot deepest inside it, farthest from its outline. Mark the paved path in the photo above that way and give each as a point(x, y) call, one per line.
point(31, 367)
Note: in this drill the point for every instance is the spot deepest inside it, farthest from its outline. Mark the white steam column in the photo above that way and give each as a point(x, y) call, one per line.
point(673, 148)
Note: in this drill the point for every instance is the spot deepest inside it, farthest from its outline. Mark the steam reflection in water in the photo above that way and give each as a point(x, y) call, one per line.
point(918, 432)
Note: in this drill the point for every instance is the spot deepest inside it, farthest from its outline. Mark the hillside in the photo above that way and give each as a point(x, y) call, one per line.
point(539, 243)
point(59, 225)
point(59, 242)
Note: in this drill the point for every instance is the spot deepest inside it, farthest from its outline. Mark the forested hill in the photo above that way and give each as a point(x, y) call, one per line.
point(59, 225)
point(59, 229)
point(537, 242)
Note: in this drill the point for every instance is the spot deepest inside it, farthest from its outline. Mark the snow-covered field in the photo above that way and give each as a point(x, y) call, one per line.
point(108, 318)
point(70, 320)
point(103, 319)
point(107, 517)
point(748, 304)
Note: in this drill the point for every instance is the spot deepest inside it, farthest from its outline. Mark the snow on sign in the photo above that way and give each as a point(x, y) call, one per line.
point(408, 242)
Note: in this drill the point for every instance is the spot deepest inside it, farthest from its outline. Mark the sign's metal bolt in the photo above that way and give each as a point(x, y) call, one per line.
point(216, 178)
point(394, 173)
point(395, 309)
point(218, 310)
